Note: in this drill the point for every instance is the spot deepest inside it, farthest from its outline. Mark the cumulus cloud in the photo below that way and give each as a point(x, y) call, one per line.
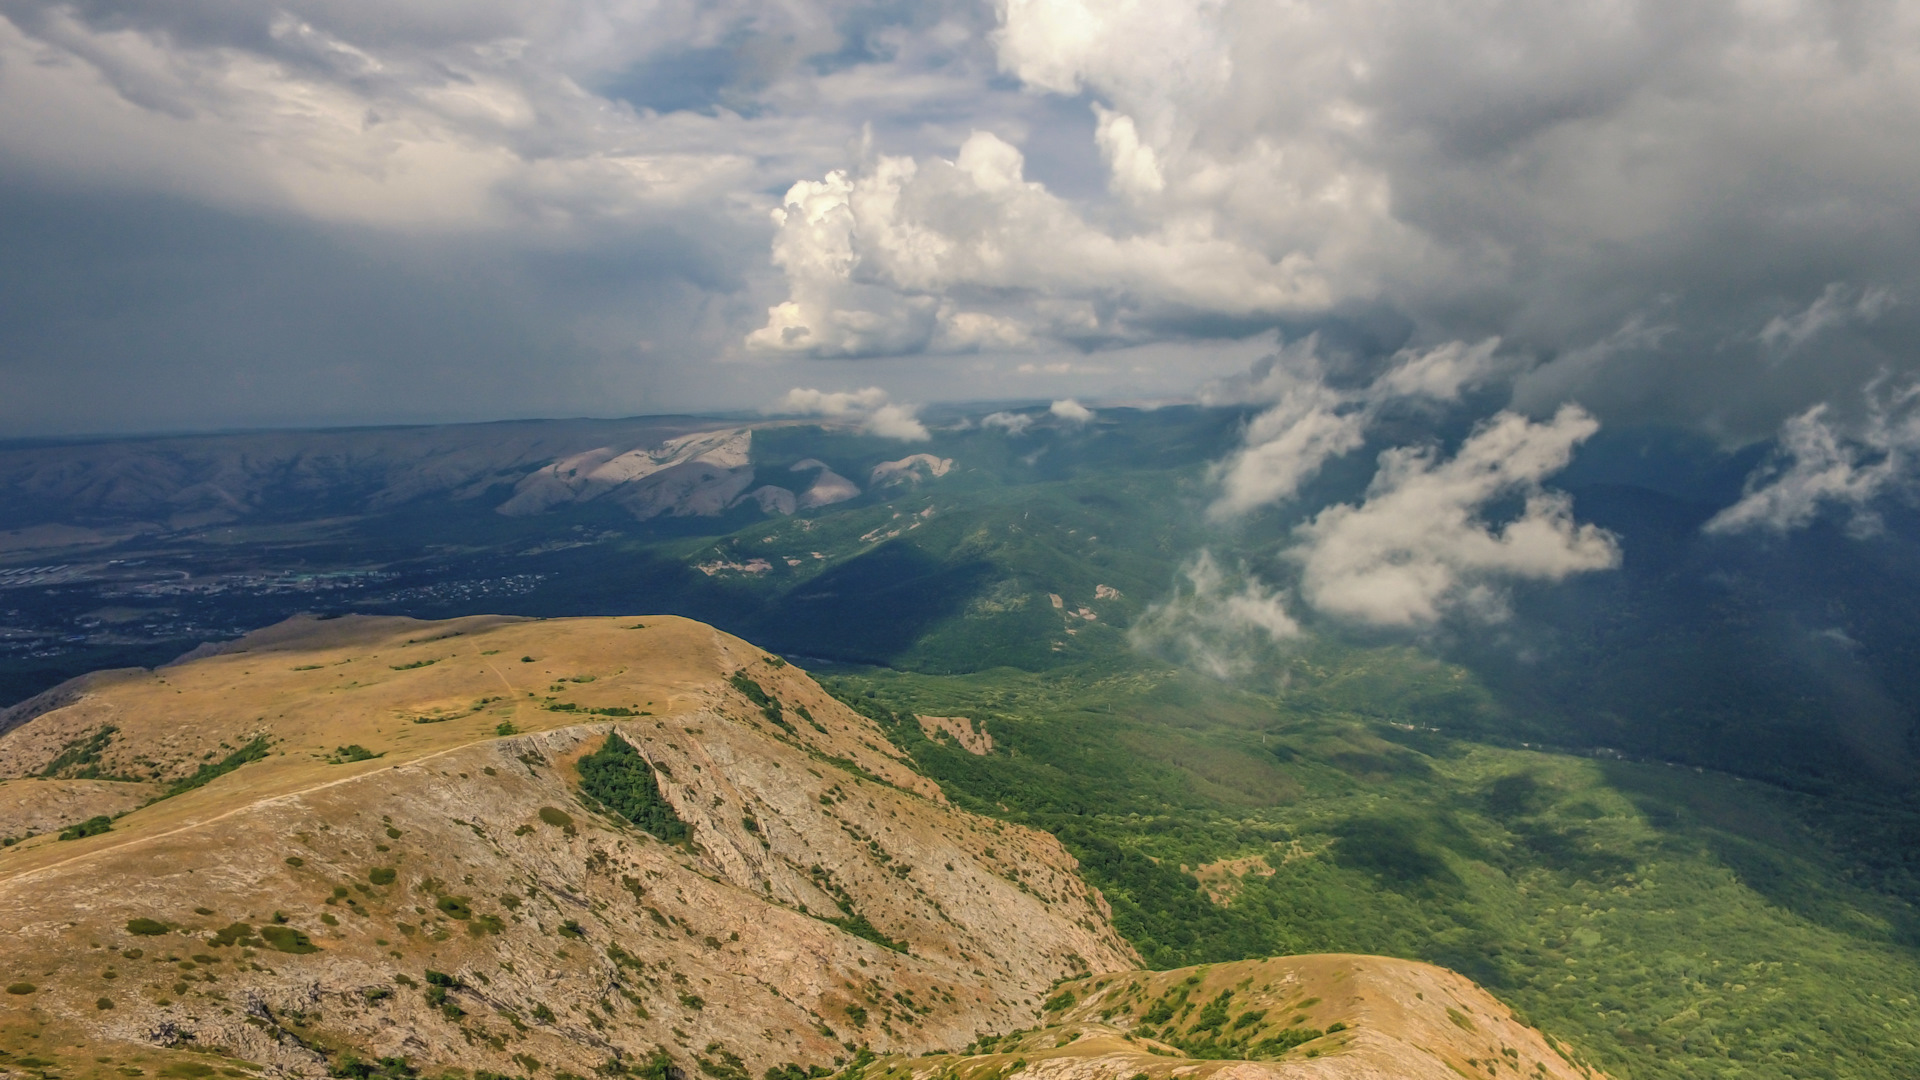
point(1420, 546)
point(1070, 411)
point(1818, 464)
point(1015, 424)
point(871, 410)
point(906, 256)
point(1225, 624)
point(1045, 177)
point(1311, 422)
point(1480, 171)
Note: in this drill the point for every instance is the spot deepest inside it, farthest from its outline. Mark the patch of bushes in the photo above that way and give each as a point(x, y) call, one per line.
point(205, 774)
point(93, 826)
point(790, 1071)
point(238, 933)
point(382, 875)
point(21, 988)
point(624, 782)
point(147, 927)
point(82, 755)
point(351, 1067)
point(343, 755)
point(556, 817)
point(287, 940)
point(754, 692)
point(857, 925)
point(439, 983)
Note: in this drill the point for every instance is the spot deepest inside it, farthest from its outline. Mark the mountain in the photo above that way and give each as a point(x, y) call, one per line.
point(1666, 811)
point(506, 846)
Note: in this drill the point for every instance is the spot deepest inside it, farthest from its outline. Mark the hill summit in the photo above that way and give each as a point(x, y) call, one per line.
point(506, 847)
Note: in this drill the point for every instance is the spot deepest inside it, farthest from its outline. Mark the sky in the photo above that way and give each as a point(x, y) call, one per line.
point(217, 214)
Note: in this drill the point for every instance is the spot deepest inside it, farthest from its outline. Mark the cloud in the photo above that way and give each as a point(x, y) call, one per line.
point(1223, 624)
point(1818, 464)
point(870, 408)
point(1057, 179)
point(1837, 305)
point(1478, 172)
point(907, 256)
point(1311, 422)
point(1419, 545)
point(1015, 424)
point(1071, 411)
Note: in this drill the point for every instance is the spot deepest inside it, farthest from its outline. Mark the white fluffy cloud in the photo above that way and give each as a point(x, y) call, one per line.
point(1419, 545)
point(1015, 424)
point(869, 409)
point(1311, 422)
point(1485, 172)
point(906, 256)
point(1822, 464)
point(1070, 411)
point(1222, 623)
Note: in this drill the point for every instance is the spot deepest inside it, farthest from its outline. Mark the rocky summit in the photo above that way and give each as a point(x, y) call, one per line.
point(499, 847)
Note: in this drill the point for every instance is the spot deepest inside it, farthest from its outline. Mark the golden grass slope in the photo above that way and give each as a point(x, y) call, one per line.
point(572, 941)
point(1348, 1018)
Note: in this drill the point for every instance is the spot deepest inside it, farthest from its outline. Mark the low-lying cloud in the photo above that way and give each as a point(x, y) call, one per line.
point(1310, 422)
point(1420, 547)
point(1820, 464)
point(869, 410)
point(1225, 624)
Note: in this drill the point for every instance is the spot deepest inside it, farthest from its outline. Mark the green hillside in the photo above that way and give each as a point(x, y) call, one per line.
point(1680, 924)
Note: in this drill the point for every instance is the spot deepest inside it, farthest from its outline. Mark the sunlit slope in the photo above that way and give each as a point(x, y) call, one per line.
point(1289, 1018)
point(410, 870)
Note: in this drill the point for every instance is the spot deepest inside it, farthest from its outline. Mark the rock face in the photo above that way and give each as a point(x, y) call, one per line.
point(699, 474)
point(387, 848)
point(561, 933)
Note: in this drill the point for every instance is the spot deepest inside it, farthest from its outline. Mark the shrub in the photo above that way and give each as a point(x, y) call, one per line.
point(350, 1067)
point(381, 875)
point(287, 940)
point(103, 1003)
point(21, 988)
point(455, 907)
point(238, 933)
point(146, 927)
point(93, 826)
point(555, 816)
point(505, 728)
